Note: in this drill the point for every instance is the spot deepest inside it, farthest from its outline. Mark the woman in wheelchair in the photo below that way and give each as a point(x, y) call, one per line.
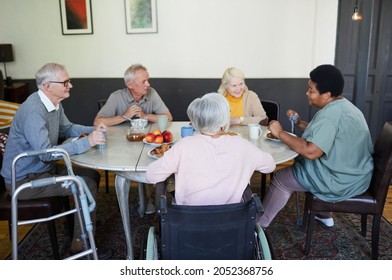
point(212, 169)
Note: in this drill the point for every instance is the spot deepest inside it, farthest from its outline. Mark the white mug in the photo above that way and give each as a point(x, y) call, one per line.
point(254, 131)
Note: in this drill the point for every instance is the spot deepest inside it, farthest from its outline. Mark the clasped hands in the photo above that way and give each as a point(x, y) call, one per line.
point(133, 111)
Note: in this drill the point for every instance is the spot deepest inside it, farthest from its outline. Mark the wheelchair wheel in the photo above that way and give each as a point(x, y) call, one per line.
point(152, 245)
point(262, 249)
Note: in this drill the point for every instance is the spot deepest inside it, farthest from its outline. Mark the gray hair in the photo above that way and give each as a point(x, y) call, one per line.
point(129, 74)
point(210, 113)
point(48, 72)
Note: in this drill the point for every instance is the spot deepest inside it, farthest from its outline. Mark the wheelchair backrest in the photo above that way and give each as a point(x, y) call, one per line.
point(209, 232)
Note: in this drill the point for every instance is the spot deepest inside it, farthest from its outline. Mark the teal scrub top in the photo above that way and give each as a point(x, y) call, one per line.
point(345, 169)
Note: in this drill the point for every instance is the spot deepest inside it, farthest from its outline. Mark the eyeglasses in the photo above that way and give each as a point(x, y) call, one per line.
point(65, 83)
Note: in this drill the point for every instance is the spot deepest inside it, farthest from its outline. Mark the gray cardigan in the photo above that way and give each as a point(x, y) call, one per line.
point(34, 128)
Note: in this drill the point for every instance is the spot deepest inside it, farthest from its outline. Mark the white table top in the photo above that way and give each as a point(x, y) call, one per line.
point(119, 154)
point(123, 155)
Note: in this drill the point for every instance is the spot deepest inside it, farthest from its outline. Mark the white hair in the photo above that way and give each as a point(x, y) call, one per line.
point(210, 113)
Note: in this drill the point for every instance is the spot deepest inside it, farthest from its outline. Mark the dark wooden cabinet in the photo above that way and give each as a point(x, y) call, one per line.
point(17, 92)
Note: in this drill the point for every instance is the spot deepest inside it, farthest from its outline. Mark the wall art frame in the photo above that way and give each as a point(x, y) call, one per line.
point(141, 16)
point(76, 17)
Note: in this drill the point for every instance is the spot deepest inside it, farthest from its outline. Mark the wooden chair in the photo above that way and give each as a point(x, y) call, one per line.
point(369, 203)
point(34, 208)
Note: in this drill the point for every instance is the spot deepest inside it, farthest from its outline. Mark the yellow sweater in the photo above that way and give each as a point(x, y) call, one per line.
point(251, 109)
point(236, 106)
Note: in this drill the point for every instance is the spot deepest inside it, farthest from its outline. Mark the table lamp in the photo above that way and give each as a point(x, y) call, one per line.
point(6, 55)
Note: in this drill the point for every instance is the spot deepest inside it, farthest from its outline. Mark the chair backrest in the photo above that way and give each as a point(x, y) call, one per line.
point(101, 103)
point(271, 108)
point(1, 86)
point(382, 173)
point(208, 232)
point(3, 141)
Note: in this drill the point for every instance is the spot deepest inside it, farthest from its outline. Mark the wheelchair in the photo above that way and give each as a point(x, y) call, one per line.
point(213, 232)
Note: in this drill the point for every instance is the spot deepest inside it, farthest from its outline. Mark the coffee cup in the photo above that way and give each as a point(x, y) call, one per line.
point(162, 122)
point(186, 131)
point(254, 131)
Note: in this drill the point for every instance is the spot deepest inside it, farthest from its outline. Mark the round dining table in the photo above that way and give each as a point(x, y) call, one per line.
point(129, 160)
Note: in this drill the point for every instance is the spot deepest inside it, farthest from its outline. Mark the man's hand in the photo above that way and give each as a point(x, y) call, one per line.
point(98, 135)
point(133, 111)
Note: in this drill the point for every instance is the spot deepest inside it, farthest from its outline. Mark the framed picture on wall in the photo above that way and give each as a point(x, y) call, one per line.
point(76, 17)
point(141, 16)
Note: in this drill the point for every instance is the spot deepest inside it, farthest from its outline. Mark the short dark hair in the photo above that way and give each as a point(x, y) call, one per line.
point(328, 78)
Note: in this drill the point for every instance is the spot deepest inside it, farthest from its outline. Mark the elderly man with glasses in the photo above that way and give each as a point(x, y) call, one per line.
point(38, 124)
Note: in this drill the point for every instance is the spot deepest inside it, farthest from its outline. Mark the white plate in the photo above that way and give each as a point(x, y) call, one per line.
point(275, 140)
point(152, 155)
point(232, 133)
point(156, 145)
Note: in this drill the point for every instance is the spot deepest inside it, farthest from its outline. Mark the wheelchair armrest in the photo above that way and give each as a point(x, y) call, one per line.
point(160, 197)
point(259, 207)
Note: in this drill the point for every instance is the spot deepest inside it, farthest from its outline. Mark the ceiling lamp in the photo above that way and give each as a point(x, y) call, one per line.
point(356, 15)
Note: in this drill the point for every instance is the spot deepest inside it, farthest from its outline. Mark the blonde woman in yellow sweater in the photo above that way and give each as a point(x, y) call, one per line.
point(245, 105)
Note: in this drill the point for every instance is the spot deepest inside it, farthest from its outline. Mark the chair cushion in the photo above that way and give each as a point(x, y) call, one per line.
point(7, 112)
point(3, 141)
point(364, 204)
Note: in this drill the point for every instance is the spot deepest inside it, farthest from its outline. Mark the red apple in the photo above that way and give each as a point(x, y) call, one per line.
point(158, 139)
point(167, 136)
point(150, 137)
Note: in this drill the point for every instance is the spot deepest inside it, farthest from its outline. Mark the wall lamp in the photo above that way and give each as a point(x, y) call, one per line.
point(356, 15)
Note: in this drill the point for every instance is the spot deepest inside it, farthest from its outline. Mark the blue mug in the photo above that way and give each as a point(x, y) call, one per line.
point(186, 131)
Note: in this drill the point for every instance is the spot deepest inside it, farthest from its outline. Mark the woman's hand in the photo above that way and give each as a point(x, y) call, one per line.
point(235, 121)
point(275, 127)
point(290, 113)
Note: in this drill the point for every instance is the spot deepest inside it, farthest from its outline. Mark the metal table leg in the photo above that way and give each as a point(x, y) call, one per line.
point(122, 186)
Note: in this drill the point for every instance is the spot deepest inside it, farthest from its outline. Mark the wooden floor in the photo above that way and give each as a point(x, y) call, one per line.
point(5, 244)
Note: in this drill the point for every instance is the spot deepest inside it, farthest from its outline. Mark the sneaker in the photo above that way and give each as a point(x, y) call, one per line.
point(328, 222)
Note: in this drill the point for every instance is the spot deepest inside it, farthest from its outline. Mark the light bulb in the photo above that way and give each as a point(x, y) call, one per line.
point(356, 15)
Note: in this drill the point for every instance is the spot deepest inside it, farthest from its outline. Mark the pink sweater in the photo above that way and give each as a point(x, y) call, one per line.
point(210, 171)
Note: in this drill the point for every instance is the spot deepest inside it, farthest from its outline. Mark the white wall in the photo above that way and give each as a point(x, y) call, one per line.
point(195, 39)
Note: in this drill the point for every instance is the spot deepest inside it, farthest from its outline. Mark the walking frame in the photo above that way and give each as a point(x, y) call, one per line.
point(78, 186)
